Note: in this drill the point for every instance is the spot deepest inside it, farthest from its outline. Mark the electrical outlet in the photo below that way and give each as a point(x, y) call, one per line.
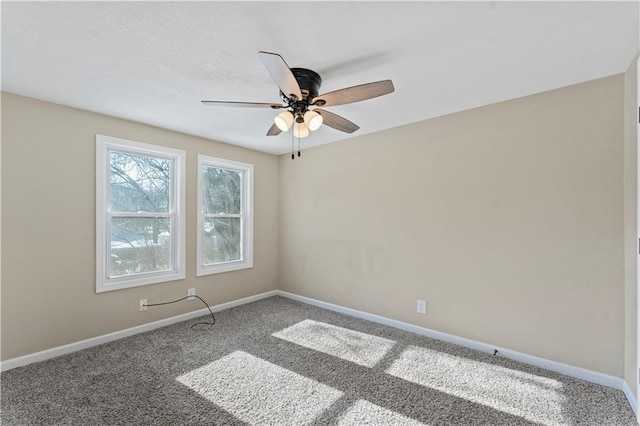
point(143, 303)
point(191, 292)
point(421, 306)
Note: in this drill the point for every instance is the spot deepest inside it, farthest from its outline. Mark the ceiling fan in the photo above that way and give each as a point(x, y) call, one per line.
point(299, 89)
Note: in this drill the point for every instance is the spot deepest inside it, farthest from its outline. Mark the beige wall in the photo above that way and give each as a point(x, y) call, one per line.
point(630, 223)
point(507, 219)
point(48, 224)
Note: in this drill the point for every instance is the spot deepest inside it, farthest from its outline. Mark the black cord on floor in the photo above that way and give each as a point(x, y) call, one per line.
point(186, 297)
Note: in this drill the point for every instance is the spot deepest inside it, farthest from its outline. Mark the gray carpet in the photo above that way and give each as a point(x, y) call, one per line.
point(280, 362)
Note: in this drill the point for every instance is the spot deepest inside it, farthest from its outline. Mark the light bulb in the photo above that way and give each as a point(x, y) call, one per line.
point(300, 130)
point(284, 120)
point(313, 120)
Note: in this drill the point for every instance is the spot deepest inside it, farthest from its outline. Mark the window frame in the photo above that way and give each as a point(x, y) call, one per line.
point(246, 216)
point(104, 146)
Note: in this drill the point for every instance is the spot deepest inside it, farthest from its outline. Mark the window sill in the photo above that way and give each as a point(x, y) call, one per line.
point(136, 281)
point(223, 267)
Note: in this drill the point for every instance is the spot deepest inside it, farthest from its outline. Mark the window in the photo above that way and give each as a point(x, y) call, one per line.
point(225, 215)
point(139, 214)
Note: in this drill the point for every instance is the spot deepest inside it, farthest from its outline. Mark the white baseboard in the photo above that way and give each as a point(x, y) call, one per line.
point(105, 338)
point(630, 397)
point(558, 367)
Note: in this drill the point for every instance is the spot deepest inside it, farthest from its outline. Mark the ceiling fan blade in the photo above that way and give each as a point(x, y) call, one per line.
point(281, 74)
point(336, 121)
point(353, 94)
point(242, 104)
point(273, 130)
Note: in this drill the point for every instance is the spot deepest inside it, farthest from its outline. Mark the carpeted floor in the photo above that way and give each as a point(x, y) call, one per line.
point(280, 362)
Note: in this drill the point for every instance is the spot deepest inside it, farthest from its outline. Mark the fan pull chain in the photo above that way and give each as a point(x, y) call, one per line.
point(292, 145)
point(298, 146)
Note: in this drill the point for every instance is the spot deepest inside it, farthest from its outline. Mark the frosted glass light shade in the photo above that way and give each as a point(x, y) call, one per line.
point(300, 130)
point(284, 120)
point(313, 120)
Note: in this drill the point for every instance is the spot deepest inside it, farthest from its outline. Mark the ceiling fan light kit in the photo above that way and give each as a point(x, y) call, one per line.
point(299, 88)
point(284, 120)
point(300, 130)
point(313, 120)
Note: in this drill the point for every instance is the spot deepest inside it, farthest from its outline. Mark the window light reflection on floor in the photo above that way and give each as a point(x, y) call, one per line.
point(367, 413)
point(349, 345)
point(259, 392)
point(510, 391)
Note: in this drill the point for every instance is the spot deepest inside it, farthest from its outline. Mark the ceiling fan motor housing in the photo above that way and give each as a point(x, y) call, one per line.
point(309, 82)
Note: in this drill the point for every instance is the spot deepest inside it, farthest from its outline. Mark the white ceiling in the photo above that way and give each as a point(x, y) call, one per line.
point(153, 62)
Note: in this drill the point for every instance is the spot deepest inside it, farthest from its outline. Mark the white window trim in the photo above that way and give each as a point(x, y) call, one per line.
point(247, 216)
point(103, 237)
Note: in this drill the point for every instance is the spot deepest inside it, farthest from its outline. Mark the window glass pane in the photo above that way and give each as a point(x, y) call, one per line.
point(140, 245)
point(221, 190)
point(139, 183)
point(222, 237)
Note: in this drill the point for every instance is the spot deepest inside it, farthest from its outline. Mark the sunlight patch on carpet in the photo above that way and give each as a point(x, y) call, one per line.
point(259, 392)
point(532, 397)
point(349, 345)
point(367, 413)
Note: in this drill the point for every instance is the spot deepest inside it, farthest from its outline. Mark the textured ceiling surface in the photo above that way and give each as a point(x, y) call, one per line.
point(153, 62)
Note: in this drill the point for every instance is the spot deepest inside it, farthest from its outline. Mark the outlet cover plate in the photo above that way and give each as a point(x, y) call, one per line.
point(421, 306)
